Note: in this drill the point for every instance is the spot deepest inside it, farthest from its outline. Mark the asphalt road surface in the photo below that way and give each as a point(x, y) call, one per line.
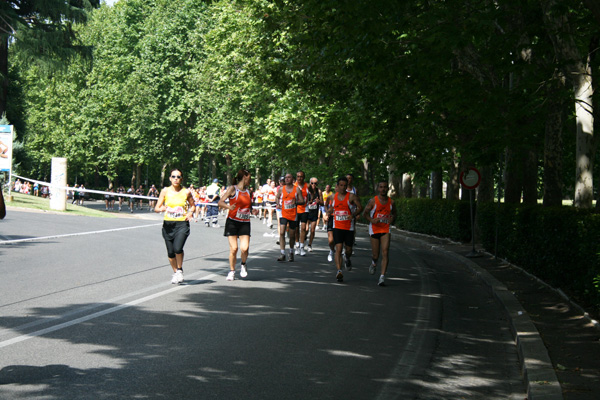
point(87, 311)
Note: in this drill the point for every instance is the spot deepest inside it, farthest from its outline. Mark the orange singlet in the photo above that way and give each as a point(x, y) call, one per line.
point(241, 202)
point(384, 212)
point(304, 190)
point(288, 204)
point(342, 216)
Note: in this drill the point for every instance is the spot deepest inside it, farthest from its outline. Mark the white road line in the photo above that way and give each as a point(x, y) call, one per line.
point(111, 310)
point(35, 239)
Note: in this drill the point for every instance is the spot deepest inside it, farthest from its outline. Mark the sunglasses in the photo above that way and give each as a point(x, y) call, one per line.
point(314, 183)
point(176, 176)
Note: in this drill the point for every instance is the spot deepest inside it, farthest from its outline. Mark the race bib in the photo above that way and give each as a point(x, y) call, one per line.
point(175, 213)
point(383, 218)
point(289, 204)
point(313, 206)
point(342, 216)
point(243, 214)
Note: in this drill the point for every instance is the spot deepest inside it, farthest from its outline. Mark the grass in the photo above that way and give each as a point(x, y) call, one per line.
point(38, 203)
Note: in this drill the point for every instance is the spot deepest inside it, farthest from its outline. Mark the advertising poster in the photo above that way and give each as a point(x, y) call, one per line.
point(6, 148)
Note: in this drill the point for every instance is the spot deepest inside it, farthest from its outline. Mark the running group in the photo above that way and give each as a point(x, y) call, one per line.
point(298, 205)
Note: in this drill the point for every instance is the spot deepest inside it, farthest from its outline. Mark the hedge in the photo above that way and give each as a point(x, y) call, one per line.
point(450, 219)
point(557, 244)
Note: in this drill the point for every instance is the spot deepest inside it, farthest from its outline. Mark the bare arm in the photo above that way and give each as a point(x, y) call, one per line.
point(160, 204)
point(225, 196)
point(367, 212)
point(354, 200)
point(191, 206)
point(299, 198)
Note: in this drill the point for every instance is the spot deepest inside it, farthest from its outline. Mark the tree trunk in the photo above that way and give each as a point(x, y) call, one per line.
point(513, 177)
point(213, 167)
point(553, 148)
point(437, 184)
point(133, 177)
point(485, 191)
point(394, 182)
point(229, 174)
point(530, 169)
point(163, 171)
point(584, 186)
point(407, 186)
point(138, 176)
point(256, 174)
point(201, 170)
point(3, 74)
point(568, 54)
point(368, 186)
point(453, 185)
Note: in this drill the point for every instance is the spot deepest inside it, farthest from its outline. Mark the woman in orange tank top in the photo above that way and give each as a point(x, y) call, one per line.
point(381, 213)
point(237, 226)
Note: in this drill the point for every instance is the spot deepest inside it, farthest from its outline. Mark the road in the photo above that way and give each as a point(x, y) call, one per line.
point(87, 311)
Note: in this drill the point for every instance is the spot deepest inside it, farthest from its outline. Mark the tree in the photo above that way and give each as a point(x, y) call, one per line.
point(41, 31)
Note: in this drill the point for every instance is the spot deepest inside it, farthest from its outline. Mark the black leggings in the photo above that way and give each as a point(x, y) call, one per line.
point(175, 234)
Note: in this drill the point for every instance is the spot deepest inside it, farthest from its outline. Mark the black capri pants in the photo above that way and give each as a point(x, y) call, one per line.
point(175, 234)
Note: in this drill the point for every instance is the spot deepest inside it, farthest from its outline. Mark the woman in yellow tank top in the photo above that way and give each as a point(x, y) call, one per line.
point(178, 205)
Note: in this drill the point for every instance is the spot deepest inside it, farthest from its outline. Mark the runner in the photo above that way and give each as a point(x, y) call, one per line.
point(153, 192)
point(329, 228)
point(212, 209)
point(140, 192)
point(340, 210)
point(302, 215)
point(237, 225)
point(352, 189)
point(323, 211)
point(178, 205)
point(288, 197)
point(380, 212)
point(131, 200)
point(121, 190)
point(278, 208)
point(314, 201)
point(271, 204)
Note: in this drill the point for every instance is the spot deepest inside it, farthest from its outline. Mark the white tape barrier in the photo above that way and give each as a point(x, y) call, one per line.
point(136, 196)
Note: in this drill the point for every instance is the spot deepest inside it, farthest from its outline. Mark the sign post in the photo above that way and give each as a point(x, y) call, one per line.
point(470, 179)
point(58, 178)
point(6, 137)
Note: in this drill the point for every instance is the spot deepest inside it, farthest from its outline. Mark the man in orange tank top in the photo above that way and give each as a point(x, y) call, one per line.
point(343, 208)
point(288, 197)
point(381, 213)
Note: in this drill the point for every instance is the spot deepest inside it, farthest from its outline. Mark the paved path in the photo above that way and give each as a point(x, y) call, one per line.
point(87, 311)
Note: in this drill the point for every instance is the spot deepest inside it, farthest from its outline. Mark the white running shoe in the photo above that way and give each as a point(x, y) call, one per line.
point(175, 279)
point(309, 248)
point(244, 271)
point(381, 281)
point(297, 245)
point(179, 274)
point(372, 268)
point(302, 252)
point(231, 275)
point(330, 256)
point(216, 225)
point(297, 251)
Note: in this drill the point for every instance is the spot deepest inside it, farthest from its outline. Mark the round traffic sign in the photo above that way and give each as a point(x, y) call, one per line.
point(470, 179)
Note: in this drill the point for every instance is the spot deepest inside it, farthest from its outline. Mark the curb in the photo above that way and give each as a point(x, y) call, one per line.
point(536, 366)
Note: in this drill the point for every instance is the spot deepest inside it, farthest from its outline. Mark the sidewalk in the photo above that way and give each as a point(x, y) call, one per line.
point(559, 347)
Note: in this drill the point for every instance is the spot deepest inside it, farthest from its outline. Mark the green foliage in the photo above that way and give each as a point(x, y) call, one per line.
point(450, 219)
point(552, 243)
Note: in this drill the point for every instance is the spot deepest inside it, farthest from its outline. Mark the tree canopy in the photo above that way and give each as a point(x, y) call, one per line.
point(378, 89)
